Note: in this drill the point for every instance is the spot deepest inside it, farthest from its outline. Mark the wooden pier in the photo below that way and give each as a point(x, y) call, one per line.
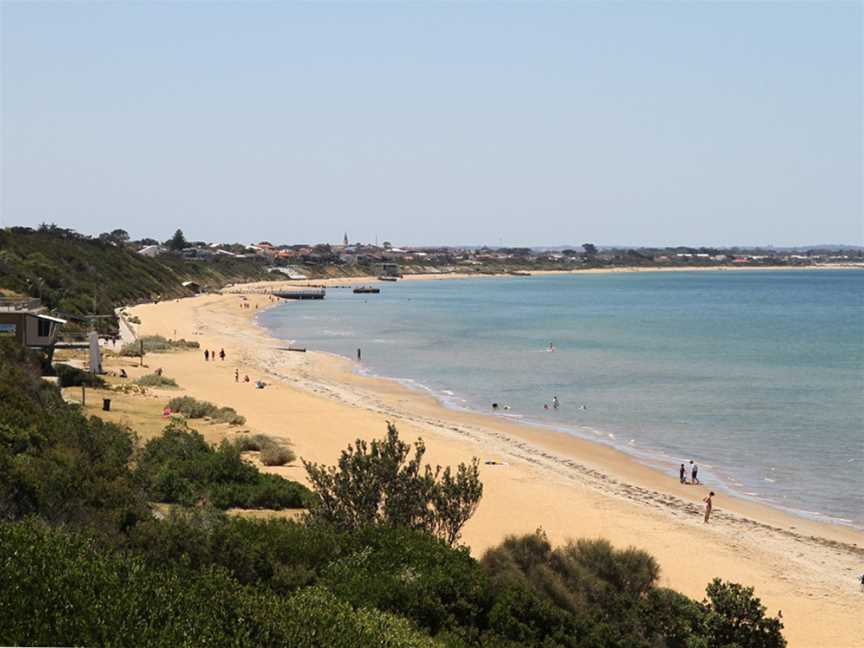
point(301, 293)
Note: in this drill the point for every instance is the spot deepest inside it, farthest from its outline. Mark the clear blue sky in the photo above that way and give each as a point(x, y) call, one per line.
point(426, 123)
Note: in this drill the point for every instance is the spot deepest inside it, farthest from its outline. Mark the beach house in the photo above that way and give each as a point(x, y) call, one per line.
point(33, 330)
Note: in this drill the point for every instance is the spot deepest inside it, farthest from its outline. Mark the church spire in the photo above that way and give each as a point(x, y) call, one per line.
point(345, 239)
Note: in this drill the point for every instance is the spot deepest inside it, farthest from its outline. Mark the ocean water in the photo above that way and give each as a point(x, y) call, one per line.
point(757, 376)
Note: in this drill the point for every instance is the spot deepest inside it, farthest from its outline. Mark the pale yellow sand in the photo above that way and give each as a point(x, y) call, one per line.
point(569, 487)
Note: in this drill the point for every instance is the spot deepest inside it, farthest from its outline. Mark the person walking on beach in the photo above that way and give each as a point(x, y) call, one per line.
point(682, 474)
point(709, 504)
point(206, 355)
point(694, 472)
point(236, 375)
point(222, 354)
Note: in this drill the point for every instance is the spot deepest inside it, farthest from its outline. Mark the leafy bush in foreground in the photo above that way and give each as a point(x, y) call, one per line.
point(60, 589)
point(376, 483)
point(193, 408)
point(56, 463)
point(734, 617)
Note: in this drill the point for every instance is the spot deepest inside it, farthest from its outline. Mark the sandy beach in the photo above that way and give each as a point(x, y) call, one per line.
point(569, 487)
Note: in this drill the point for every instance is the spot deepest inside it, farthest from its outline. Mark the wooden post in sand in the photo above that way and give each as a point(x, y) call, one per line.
point(83, 396)
point(141, 353)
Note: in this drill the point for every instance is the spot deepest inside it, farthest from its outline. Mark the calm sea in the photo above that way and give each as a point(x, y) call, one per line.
point(757, 376)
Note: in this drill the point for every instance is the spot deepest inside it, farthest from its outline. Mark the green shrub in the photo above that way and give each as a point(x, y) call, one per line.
point(193, 408)
point(273, 452)
point(377, 483)
point(55, 462)
point(734, 617)
point(252, 442)
point(228, 415)
point(156, 344)
point(181, 467)
point(69, 376)
point(61, 589)
point(155, 380)
point(273, 455)
point(266, 492)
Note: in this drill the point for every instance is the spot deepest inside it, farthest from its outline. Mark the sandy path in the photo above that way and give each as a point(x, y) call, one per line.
point(569, 487)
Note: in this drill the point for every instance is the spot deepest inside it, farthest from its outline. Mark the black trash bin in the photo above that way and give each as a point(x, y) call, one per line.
point(106, 404)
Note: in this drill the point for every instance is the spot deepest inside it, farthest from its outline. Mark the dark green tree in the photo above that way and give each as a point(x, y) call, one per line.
point(590, 249)
point(177, 242)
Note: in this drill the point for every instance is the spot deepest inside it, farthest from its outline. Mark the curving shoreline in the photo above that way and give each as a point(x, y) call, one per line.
point(569, 486)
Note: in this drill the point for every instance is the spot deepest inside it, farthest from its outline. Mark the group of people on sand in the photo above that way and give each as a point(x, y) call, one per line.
point(259, 384)
point(211, 355)
point(694, 480)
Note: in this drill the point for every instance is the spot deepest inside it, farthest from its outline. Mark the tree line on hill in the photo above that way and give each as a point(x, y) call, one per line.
point(86, 559)
point(77, 275)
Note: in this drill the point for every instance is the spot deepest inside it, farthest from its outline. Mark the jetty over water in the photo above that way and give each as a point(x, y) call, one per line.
point(298, 292)
point(301, 293)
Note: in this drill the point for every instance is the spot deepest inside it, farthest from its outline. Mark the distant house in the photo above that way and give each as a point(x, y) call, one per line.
point(33, 330)
point(152, 250)
point(291, 273)
point(192, 285)
point(388, 269)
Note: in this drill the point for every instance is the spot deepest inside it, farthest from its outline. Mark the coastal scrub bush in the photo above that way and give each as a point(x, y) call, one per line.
point(194, 408)
point(180, 467)
point(272, 451)
point(589, 579)
point(69, 376)
point(228, 415)
point(63, 589)
point(252, 442)
point(274, 455)
point(55, 462)
point(155, 380)
point(377, 483)
point(266, 492)
point(734, 617)
point(157, 344)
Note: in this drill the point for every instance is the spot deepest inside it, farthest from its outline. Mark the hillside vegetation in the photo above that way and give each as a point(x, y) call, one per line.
point(79, 275)
point(84, 560)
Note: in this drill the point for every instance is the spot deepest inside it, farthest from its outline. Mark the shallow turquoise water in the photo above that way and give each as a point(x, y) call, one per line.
point(758, 376)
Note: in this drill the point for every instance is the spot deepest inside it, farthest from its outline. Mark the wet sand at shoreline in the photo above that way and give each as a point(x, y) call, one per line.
point(569, 487)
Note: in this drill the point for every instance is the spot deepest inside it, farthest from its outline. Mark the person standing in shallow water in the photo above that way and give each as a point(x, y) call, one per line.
point(709, 505)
